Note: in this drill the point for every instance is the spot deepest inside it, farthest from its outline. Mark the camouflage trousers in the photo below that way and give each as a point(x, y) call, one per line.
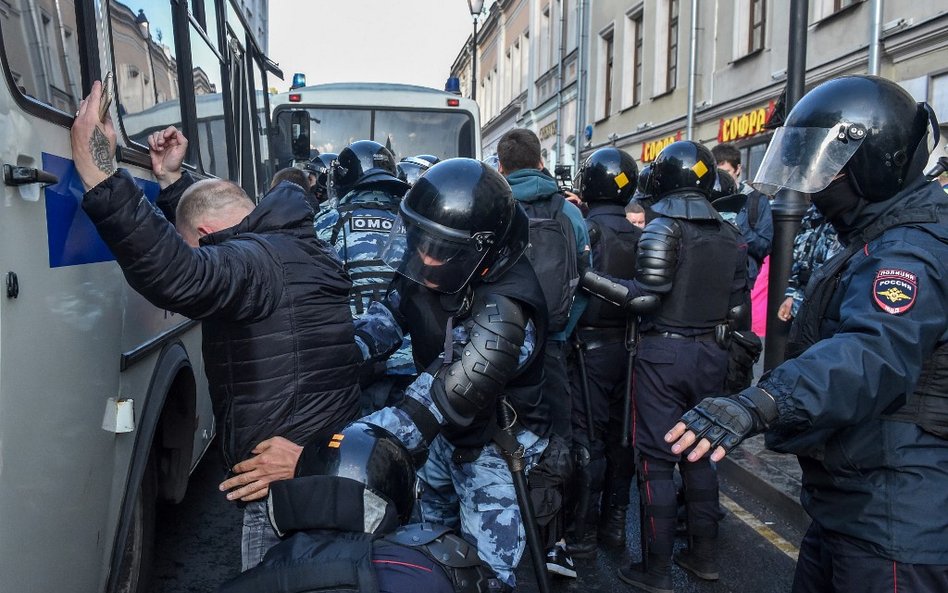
point(477, 499)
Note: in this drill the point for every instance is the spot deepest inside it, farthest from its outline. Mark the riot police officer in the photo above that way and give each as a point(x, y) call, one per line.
point(411, 168)
point(357, 226)
point(343, 522)
point(477, 317)
point(606, 182)
point(690, 258)
point(318, 170)
point(863, 405)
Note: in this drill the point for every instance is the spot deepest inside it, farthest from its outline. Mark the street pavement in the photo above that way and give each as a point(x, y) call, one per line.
point(198, 545)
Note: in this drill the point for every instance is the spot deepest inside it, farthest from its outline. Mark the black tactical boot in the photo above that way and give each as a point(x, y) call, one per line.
point(699, 559)
point(657, 579)
point(586, 547)
point(612, 526)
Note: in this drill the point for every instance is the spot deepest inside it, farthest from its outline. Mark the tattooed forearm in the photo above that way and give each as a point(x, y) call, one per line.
point(101, 153)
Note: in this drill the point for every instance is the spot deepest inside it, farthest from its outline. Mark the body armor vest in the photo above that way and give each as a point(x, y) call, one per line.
point(927, 405)
point(701, 289)
point(430, 316)
point(614, 254)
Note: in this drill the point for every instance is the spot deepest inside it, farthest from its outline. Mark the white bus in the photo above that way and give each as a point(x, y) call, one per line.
point(103, 400)
point(411, 120)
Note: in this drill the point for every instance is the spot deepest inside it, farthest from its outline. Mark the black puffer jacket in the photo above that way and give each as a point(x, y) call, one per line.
point(279, 351)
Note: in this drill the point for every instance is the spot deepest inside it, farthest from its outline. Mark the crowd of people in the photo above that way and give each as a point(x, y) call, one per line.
point(422, 369)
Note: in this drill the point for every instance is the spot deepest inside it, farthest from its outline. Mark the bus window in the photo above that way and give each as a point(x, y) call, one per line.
point(146, 75)
point(335, 129)
point(261, 126)
point(205, 13)
point(42, 52)
point(408, 133)
point(208, 94)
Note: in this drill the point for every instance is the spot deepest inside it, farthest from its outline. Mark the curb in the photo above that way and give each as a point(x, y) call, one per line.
point(771, 477)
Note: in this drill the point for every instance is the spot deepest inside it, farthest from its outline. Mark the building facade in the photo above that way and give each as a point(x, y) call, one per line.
point(635, 83)
point(527, 54)
point(257, 13)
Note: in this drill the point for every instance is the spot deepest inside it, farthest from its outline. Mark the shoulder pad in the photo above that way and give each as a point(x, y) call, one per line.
point(417, 534)
point(453, 551)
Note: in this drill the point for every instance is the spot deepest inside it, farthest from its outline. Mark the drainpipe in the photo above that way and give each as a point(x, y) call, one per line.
point(580, 81)
point(692, 58)
point(875, 32)
point(559, 85)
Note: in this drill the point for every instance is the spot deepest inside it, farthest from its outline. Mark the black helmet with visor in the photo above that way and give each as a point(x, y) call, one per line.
point(458, 223)
point(867, 127)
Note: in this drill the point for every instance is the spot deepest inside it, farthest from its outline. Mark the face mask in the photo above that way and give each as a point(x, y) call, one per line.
point(839, 203)
point(836, 200)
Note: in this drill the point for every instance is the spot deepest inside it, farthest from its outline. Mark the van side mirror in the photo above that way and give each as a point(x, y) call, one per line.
point(299, 134)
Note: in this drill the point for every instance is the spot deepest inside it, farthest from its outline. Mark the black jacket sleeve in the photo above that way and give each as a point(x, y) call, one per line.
point(169, 197)
point(237, 280)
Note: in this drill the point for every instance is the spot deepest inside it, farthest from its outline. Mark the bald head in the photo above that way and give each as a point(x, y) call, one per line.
point(209, 206)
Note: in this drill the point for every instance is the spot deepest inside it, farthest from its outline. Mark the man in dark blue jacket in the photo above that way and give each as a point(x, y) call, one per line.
point(279, 351)
point(865, 403)
point(754, 219)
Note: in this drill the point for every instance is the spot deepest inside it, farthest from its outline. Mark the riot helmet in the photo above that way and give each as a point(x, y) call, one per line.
point(724, 185)
point(457, 223)
point(364, 163)
point(411, 168)
point(866, 127)
point(681, 166)
point(319, 167)
point(609, 175)
point(369, 455)
point(493, 161)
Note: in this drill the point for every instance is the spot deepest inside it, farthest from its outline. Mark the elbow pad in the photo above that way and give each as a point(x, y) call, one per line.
point(658, 255)
point(488, 360)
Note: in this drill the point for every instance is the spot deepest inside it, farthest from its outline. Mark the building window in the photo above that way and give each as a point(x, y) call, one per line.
point(515, 75)
point(632, 60)
point(758, 18)
point(637, 50)
point(671, 72)
point(525, 61)
point(826, 8)
point(607, 52)
point(545, 42)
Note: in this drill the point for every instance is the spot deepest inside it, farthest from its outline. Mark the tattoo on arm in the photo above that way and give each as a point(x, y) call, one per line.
point(101, 153)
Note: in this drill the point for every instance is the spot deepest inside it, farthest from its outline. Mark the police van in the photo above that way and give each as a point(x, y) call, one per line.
point(104, 407)
point(410, 120)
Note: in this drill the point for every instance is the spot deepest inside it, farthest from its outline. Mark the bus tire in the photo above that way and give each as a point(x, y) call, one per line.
point(137, 556)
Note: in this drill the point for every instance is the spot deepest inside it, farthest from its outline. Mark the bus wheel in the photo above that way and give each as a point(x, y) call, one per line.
point(135, 570)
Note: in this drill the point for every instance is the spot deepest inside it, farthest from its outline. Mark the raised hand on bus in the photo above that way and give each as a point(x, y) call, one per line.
point(274, 459)
point(167, 149)
point(93, 141)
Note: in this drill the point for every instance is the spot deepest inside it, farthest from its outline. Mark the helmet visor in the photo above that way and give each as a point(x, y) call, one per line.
point(437, 262)
point(806, 159)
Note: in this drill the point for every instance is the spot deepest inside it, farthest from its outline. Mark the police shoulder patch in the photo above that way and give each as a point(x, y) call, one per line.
point(363, 223)
point(894, 290)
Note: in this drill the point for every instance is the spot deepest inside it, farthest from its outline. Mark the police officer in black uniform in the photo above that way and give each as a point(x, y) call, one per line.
point(477, 316)
point(691, 259)
point(864, 404)
point(318, 170)
point(606, 182)
point(411, 168)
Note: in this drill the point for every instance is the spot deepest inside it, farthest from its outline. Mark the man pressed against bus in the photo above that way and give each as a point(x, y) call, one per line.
point(278, 343)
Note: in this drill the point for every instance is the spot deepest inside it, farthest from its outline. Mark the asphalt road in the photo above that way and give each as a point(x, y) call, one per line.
point(198, 547)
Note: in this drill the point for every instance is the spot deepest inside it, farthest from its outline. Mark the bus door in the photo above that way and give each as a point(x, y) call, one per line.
point(60, 335)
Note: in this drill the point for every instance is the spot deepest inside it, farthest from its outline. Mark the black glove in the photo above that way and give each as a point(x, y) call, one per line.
point(392, 301)
point(726, 421)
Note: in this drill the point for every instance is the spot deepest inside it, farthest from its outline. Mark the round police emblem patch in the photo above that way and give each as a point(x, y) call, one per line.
point(894, 290)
